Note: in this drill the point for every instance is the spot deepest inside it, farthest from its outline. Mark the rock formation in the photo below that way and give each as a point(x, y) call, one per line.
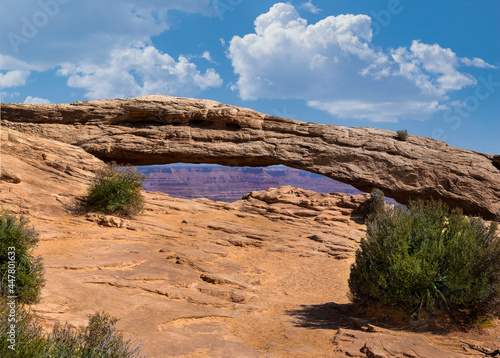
point(162, 130)
point(265, 276)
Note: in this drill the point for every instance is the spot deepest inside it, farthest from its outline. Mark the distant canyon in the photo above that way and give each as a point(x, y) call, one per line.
point(229, 184)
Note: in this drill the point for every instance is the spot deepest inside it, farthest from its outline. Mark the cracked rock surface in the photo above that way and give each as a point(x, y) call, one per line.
point(261, 277)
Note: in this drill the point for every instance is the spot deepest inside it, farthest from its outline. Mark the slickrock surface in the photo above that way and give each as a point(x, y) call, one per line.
point(162, 130)
point(262, 277)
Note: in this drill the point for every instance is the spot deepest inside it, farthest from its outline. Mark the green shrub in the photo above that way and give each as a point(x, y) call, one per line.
point(101, 339)
point(426, 256)
point(98, 340)
point(115, 191)
point(22, 272)
point(402, 135)
point(27, 338)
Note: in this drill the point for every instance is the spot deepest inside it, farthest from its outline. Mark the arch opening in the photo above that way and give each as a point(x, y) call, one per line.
point(231, 183)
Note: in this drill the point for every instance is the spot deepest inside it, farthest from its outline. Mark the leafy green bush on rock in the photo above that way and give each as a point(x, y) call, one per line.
point(426, 256)
point(21, 271)
point(116, 191)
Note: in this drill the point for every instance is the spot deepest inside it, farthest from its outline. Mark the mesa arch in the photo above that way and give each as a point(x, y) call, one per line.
point(163, 130)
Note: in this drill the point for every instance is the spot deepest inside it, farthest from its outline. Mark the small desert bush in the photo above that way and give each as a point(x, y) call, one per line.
point(98, 340)
point(402, 135)
point(115, 191)
point(428, 256)
point(23, 334)
point(21, 271)
point(376, 203)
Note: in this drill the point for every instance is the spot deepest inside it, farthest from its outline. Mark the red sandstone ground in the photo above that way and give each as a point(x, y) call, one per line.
point(262, 277)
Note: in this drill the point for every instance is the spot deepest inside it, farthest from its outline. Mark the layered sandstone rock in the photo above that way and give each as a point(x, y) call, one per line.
point(162, 129)
point(262, 277)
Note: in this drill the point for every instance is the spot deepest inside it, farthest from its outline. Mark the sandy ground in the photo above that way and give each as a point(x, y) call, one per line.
point(196, 278)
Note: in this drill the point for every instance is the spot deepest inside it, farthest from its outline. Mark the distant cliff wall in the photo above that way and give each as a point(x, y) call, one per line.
point(231, 184)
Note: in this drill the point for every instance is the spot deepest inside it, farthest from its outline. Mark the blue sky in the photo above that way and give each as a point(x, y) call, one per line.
point(431, 67)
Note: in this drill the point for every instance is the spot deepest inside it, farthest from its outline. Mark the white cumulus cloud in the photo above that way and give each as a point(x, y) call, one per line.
point(43, 34)
point(138, 71)
point(55, 31)
point(206, 55)
point(378, 111)
point(309, 6)
point(36, 100)
point(13, 79)
point(476, 62)
point(334, 66)
point(11, 63)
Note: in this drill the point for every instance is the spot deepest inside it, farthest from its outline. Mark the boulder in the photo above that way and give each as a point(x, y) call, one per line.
point(10, 176)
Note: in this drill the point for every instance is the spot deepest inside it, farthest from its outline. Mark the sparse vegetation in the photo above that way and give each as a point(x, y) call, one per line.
point(376, 203)
point(22, 272)
point(428, 257)
point(115, 191)
point(402, 135)
point(98, 340)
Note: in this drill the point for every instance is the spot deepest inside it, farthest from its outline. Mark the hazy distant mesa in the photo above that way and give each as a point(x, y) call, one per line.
point(228, 184)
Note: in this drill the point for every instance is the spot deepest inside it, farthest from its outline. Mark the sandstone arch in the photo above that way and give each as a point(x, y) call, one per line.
point(163, 129)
